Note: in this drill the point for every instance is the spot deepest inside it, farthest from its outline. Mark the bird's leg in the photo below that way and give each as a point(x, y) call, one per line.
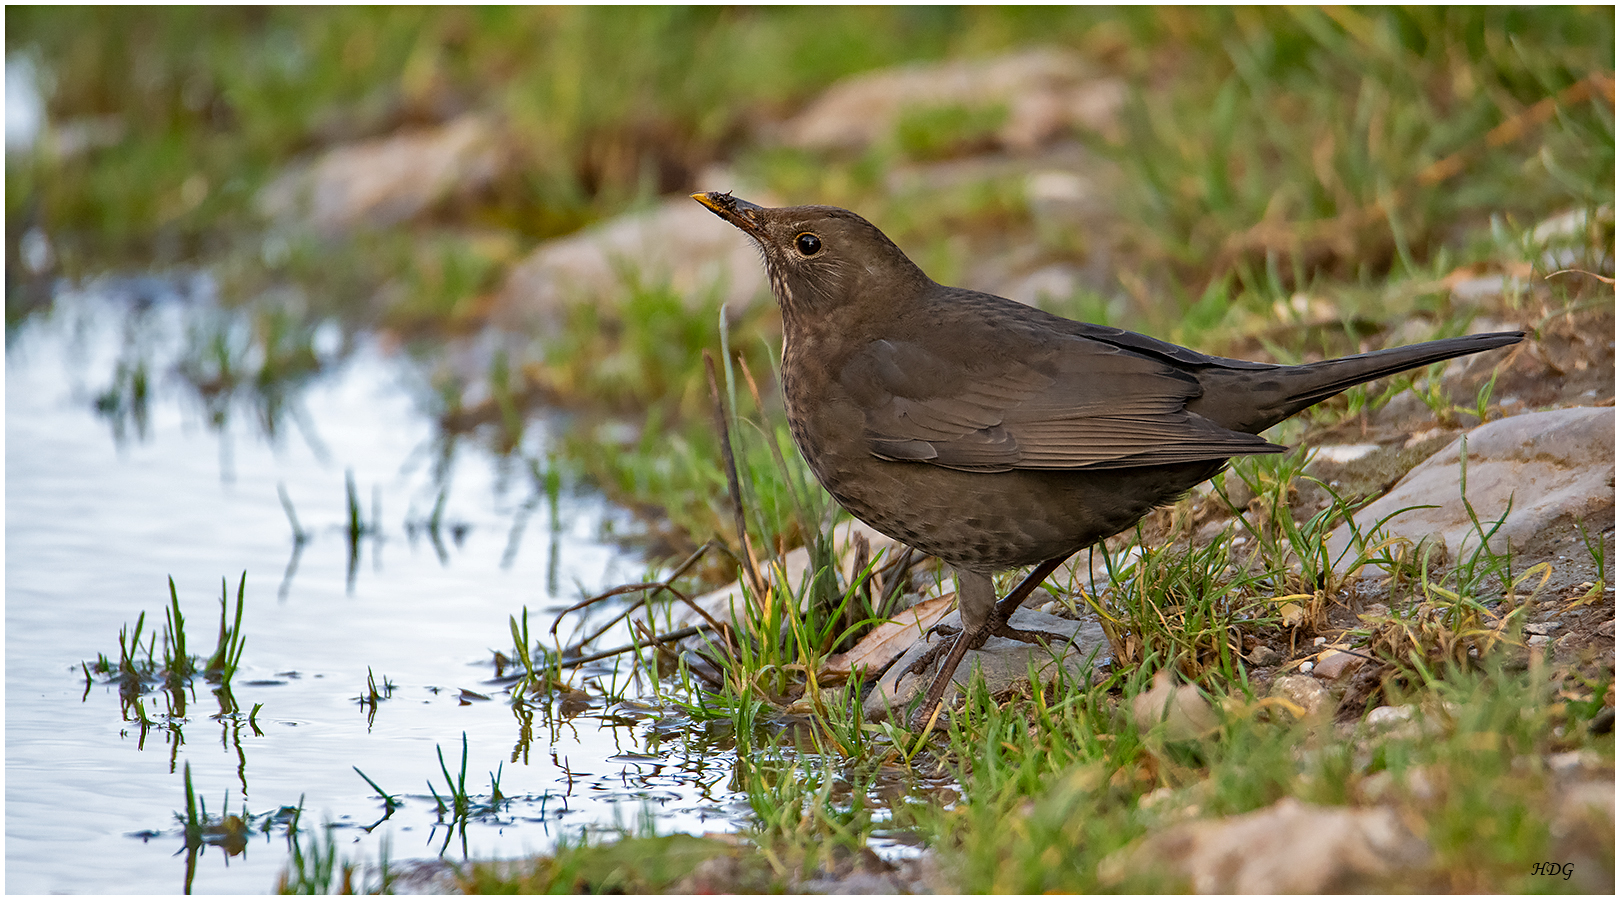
point(982, 616)
point(1015, 598)
point(976, 602)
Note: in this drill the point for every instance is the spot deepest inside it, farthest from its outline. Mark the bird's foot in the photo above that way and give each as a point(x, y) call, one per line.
point(925, 716)
point(973, 637)
point(1032, 636)
point(922, 663)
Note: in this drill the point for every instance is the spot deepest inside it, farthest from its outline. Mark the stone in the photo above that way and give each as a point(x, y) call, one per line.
point(1417, 783)
point(1582, 832)
point(1045, 286)
point(1572, 762)
point(1003, 663)
point(1287, 848)
point(388, 180)
point(677, 243)
point(1304, 692)
point(1555, 468)
point(1389, 716)
point(1181, 713)
point(1046, 93)
point(1474, 290)
point(1335, 664)
point(888, 641)
point(1264, 655)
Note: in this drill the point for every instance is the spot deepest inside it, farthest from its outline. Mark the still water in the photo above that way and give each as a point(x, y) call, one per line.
point(102, 508)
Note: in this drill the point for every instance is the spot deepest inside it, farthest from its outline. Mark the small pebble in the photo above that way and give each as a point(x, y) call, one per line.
point(1306, 666)
point(1571, 761)
point(1385, 716)
point(1336, 664)
point(1264, 656)
point(1307, 693)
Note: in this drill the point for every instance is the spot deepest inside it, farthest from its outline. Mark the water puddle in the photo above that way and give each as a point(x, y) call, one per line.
point(120, 474)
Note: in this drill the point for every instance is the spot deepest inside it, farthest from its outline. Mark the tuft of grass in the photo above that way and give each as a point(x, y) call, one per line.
point(1318, 140)
point(458, 803)
point(228, 831)
point(320, 869)
point(178, 669)
point(631, 862)
point(1054, 785)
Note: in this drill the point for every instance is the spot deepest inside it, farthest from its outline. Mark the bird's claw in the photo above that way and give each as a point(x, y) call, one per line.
point(1032, 636)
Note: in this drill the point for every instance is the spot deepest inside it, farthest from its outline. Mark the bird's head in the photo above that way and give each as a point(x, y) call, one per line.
point(821, 259)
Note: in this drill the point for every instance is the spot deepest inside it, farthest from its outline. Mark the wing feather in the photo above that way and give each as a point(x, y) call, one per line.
point(1079, 403)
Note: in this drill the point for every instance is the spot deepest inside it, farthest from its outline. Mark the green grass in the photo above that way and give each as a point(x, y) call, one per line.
point(1057, 782)
point(1290, 187)
point(218, 98)
point(1045, 806)
point(459, 806)
point(139, 671)
point(1308, 117)
point(318, 868)
point(632, 862)
point(1285, 183)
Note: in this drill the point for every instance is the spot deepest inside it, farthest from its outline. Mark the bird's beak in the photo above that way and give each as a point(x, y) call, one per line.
point(741, 213)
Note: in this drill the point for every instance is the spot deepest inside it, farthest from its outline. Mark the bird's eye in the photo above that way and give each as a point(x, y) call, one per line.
point(808, 244)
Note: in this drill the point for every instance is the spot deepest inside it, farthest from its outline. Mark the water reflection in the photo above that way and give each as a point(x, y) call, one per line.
point(153, 434)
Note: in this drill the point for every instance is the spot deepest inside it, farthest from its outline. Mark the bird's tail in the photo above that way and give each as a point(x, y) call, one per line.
point(1293, 388)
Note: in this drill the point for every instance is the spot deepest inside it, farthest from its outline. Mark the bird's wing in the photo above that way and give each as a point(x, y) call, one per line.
point(1071, 403)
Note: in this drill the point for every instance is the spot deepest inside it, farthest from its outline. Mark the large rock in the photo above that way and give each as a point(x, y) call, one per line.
point(388, 180)
point(1545, 470)
point(1002, 663)
point(729, 604)
point(1287, 848)
point(677, 243)
point(1046, 92)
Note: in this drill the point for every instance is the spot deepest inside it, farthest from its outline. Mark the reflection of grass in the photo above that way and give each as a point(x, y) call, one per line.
point(458, 804)
point(138, 672)
point(228, 831)
point(1290, 183)
point(320, 869)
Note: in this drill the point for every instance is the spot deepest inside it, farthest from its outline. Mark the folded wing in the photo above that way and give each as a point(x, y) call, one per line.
point(1076, 403)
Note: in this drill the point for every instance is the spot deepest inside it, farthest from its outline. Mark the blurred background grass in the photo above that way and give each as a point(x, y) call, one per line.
point(1237, 117)
point(1264, 159)
point(1280, 182)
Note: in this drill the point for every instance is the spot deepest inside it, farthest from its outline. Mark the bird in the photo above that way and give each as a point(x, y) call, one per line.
point(994, 435)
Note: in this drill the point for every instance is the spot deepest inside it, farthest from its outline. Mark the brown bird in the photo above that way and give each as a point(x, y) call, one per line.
point(994, 435)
